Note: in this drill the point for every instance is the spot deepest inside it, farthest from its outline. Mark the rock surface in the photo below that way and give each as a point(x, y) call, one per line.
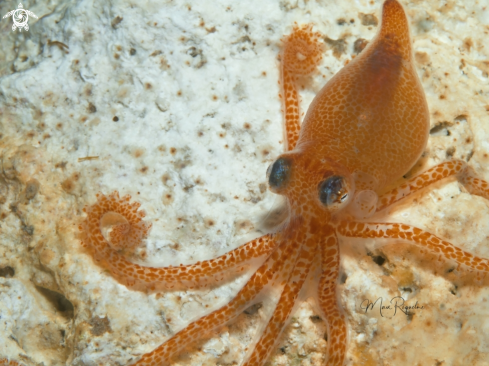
point(176, 104)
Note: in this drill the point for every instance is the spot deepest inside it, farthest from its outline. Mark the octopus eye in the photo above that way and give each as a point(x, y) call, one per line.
point(333, 191)
point(279, 173)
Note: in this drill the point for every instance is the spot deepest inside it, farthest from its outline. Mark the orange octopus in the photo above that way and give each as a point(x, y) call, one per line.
point(365, 129)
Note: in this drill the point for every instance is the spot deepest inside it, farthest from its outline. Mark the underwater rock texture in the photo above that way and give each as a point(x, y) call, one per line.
point(176, 104)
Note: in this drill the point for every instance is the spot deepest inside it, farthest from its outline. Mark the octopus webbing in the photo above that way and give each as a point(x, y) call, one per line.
point(363, 132)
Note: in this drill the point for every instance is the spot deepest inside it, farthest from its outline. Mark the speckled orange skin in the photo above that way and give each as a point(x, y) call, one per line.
point(369, 125)
point(372, 115)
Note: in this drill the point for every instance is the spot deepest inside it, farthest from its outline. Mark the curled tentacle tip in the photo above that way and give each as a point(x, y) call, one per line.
point(303, 50)
point(113, 223)
point(114, 228)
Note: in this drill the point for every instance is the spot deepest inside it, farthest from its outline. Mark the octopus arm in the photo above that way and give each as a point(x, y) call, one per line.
point(114, 227)
point(268, 274)
point(474, 184)
point(416, 236)
point(328, 301)
point(294, 280)
point(301, 54)
point(413, 185)
point(433, 175)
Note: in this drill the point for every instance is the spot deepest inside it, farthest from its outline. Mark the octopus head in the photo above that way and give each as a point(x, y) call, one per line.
point(311, 181)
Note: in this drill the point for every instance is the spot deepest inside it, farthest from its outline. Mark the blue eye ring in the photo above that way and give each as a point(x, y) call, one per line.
point(279, 173)
point(333, 191)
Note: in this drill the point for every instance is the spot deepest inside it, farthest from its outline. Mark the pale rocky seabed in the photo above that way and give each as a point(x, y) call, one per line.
point(179, 103)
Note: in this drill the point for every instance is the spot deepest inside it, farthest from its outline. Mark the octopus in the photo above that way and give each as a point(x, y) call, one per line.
point(362, 133)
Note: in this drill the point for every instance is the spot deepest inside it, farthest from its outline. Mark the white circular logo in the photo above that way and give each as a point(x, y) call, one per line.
point(20, 17)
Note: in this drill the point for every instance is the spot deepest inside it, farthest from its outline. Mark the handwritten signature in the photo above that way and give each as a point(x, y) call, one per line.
point(395, 303)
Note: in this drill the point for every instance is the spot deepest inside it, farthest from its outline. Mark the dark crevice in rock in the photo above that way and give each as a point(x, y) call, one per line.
point(7, 272)
point(59, 301)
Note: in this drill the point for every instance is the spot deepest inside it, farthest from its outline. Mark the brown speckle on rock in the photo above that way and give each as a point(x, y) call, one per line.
point(337, 45)
point(69, 184)
point(253, 309)
point(245, 225)
point(138, 153)
point(31, 189)
point(167, 198)
point(165, 178)
point(61, 165)
point(368, 19)
point(359, 45)
point(209, 222)
point(100, 326)
point(116, 21)
point(7, 272)
point(468, 44)
point(450, 151)
point(440, 126)
point(91, 108)
point(422, 58)
point(461, 118)
point(315, 318)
